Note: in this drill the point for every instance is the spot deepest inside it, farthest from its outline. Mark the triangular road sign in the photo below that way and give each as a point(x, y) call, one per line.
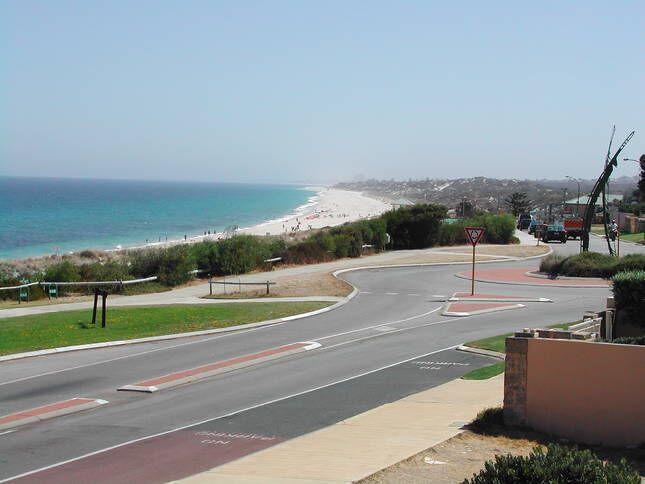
point(474, 234)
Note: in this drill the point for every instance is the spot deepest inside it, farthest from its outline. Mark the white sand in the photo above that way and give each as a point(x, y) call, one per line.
point(327, 208)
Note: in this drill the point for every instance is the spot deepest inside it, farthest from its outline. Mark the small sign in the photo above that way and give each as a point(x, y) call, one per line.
point(474, 234)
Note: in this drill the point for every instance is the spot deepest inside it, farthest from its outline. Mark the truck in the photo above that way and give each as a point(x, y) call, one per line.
point(573, 226)
point(523, 221)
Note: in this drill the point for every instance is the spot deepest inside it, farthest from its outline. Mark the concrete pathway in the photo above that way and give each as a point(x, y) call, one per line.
point(362, 445)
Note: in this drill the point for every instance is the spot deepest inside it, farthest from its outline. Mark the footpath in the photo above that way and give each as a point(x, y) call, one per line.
point(360, 446)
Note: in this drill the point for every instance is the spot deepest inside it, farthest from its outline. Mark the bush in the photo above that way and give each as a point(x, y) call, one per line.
point(629, 295)
point(630, 340)
point(552, 264)
point(64, 271)
point(558, 464)
point(631, 262)
point(415, 227)
point(175, 265)
point(590, 264)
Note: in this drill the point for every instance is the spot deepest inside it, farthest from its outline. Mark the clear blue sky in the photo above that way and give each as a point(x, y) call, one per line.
point(318, 91)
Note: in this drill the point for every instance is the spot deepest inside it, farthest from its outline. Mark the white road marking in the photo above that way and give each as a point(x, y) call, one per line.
point(378, 325)
point(391, 293)
point(90, 454)
point(7, 432)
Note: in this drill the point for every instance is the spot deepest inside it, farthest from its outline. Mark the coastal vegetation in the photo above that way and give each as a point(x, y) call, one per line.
point(51, 330)
point(413, 227)
point(591, 264)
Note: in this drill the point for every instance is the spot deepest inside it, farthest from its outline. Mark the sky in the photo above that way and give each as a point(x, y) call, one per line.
point(304, 91)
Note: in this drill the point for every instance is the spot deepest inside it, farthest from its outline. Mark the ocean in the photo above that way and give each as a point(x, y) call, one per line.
point(40, 216)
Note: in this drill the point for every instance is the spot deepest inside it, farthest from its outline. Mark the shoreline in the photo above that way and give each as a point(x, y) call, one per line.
point(326, 207)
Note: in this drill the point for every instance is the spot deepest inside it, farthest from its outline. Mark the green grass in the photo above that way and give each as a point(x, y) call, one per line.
point(486, 372)
point(633, 237)
point(28, 333)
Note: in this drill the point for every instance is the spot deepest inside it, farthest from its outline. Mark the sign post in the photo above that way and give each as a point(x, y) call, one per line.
point(474, 235)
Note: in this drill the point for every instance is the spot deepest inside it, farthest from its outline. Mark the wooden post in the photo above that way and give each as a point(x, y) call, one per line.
point(267, 288)
point(96, 298)
point(472, 285)
point(104, 308)
point(210, 286)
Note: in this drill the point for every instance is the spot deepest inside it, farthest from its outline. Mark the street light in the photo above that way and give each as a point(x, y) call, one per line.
point(578, 201)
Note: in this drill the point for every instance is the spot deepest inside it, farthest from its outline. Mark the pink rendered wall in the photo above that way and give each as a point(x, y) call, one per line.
point(588, 392)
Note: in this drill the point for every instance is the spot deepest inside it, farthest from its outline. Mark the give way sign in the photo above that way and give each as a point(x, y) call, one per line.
point(474, 234)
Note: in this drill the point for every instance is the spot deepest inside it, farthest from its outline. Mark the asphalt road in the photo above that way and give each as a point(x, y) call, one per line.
point(362, 363)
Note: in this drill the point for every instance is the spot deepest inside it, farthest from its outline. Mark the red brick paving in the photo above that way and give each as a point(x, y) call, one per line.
point(518, 275)
point(488, 296)
point(164, 458)
point(53, 407)
point(469, 307)
point(220, 364)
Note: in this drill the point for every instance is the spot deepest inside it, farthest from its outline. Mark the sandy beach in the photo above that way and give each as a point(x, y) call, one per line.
point(328, 207)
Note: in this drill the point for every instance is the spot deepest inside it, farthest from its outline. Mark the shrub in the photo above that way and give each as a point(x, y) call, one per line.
point(499, 228)
point(630, 340)
point(629, 295)
point(557, 464)
point(631, 262)
point(552, 264)
point(64, 271)
point(590, 264)
point(175, 265)
point(306, 252)
point(415, 227)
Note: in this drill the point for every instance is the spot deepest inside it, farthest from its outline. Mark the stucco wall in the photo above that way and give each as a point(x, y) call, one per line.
point(588, 392)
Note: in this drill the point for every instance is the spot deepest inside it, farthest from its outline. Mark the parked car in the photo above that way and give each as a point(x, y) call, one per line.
point(555, 232)
point(523, 221)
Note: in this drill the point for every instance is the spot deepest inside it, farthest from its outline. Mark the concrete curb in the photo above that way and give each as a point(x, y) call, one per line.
point(581, 286)
point(308, 345)
point(480, 351)
point(33, 415)
point(482, 311)
point(537, 275)
point(499, 299)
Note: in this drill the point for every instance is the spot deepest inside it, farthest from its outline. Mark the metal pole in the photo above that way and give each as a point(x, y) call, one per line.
point(472, 285)
point(210, 286)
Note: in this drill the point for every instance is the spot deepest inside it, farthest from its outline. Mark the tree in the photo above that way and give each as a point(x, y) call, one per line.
point(518, 203)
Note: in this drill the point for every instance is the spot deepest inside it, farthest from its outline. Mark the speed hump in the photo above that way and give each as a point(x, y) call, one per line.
point(474, 235)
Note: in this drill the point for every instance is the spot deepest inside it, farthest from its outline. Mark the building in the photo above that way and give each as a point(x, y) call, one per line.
point(575, 206)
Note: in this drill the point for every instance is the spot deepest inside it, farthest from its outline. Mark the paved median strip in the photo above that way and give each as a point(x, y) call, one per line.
point(219, 367)
point(49, 411)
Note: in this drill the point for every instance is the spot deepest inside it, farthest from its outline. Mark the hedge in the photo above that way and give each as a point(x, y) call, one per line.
point(629, 295)
point(558, 464)
point(591, 264)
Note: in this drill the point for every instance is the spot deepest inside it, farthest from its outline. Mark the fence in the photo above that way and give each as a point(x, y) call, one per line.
point(51, 287)
point(239, 283)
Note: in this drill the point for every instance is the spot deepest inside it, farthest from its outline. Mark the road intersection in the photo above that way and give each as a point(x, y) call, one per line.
point(389, 341)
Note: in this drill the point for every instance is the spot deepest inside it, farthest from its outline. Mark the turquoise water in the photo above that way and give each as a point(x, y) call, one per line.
point(40, 216)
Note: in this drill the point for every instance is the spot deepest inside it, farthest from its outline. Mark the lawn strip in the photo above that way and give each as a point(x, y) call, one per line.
point(52, 330)
point(486, 372)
